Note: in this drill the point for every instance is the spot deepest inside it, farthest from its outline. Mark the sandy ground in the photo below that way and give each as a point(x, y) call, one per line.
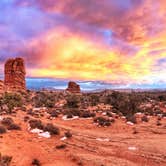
point(90, 145)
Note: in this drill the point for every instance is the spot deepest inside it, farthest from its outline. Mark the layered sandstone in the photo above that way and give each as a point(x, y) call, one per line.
point(73, 87)
point(1, 86)
point(15, 75)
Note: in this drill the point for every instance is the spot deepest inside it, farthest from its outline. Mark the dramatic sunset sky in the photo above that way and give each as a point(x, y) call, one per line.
point(99, 43)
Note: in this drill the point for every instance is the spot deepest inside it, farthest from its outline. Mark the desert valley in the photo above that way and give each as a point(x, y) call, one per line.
point(71, 127)
point(82, 82)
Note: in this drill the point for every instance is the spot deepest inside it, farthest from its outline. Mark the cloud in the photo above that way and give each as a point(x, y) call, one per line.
point(113, 41)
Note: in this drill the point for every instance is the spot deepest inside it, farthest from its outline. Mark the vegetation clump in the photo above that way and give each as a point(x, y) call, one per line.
point(102, 121)
point(11, 100)
point(53, 130)
point(7, 121)
point(144, 118)
point(36, 124)
point(62, 146)
point(2, 129)
point(68, 134)
point(36, 162)
point(5, 160)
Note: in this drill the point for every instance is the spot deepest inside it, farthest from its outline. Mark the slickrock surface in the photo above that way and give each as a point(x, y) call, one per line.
point(73, 87)
point(15, 75)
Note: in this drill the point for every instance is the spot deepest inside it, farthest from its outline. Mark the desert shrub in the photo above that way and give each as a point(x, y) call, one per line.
point(68, 134)
point(36, 162)
point(2, 129)
point(52, 129)
point(12, 100)
point(126, 103)
point(26, 118)
point(144, 118)
point(135, 131)
point(158, 112)
point(73, 101)
point(44, 99)
point(87, 114)
point(62, 146)
point(54, 113)
point(131, 118)
point(94, 99)
point(13, 126)
point(112, 120)
point(158, 123)
point(164, 114)
point(5, 160)
point(73, 112)
point(69, 116)
point(102, 121)
point(30, 112)
point(109, 114)
point(162, 97)
point(36, 124)
point(7, 121)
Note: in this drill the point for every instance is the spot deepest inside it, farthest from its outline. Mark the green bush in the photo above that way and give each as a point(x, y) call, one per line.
point(12, 100)
point(2, 129)
point(73, 101)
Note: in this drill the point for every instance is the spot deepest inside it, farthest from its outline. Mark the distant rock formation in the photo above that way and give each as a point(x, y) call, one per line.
point(73, 87)
point(15, 75)
point(1, 86)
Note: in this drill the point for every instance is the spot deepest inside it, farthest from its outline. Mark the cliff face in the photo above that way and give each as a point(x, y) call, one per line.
point(1, 87)
point(73, 87)
point(15, 75)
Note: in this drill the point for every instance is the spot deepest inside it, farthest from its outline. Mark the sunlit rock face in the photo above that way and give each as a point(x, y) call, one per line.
point(73, 87)
point(1, 87)
point(15, 75)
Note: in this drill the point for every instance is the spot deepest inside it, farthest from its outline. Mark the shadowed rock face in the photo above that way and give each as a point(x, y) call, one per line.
point(15, 75)
point(73, 87)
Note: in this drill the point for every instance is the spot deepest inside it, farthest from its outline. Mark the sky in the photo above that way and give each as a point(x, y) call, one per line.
point(98, 43)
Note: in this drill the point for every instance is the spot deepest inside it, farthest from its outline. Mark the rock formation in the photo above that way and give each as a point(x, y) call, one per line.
point(15, 75)
point(1, 87)
point(73, 87)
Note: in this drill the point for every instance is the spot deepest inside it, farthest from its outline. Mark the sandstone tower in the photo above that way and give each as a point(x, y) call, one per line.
point(15, 75)
point(73, 87)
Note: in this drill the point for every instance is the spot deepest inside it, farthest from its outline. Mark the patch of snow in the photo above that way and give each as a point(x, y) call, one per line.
point(132, 148)
point(37, 109)
point(104, 113)
point(65, 117)
point(138, 113)
point(103, 139)
point(36, 130)
point(63, 138)
point(44, 134)
point(123, 117)
point(130, 123)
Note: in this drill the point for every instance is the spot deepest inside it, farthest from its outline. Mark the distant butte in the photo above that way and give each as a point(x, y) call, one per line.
point(73, 87)
point(15, 75)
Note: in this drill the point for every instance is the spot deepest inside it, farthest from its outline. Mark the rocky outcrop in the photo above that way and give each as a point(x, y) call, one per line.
point(15, 75)
point(73, 87)
point(1, 87)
